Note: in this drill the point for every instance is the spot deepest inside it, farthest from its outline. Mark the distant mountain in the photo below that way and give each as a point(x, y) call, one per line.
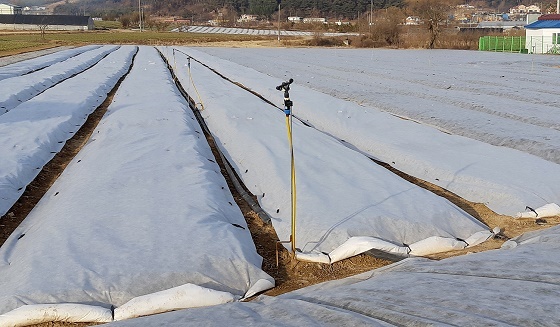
point(188, 8)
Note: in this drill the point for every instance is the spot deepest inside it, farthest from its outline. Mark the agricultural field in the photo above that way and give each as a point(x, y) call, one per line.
point(166, 184)
point(20, 42)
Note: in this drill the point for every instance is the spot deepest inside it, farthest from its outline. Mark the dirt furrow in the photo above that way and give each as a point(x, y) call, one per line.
point(50, 172)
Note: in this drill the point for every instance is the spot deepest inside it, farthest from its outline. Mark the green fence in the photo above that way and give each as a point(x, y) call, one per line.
point(502, 43)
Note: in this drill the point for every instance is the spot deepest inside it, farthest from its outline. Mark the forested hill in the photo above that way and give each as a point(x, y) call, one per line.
point(346, 9)
point(187, 8)
point(331, 8)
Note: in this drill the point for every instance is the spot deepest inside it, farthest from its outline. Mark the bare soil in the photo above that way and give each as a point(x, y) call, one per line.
point(289, 273)
point(24, 54)
point(5, 55)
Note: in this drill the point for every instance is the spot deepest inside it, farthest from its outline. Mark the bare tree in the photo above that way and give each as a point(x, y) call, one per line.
point(125, 21)
point(433, 13)
point(161, 25)
point(387, 26)
point(43, 27)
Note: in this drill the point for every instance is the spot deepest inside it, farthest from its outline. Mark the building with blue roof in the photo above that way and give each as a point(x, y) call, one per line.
point(543, 35)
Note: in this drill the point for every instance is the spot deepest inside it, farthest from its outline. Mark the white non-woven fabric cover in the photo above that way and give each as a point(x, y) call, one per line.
point(180, 297)
point(31, 65)
point(477, 94)
point(19, 89)
point(341, 194)
point(248, 31)
point(517, 287)
point(504, 179)
point(142, 208)
point(33, 132)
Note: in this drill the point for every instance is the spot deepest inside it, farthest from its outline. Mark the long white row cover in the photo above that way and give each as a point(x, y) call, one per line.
point(516, 287)
point(477, 94)
point(140, 222)
point(247, 31)
point(506, 180)
point(33, 132)
point(346, 204)
point(31, 65)
point(19, 89)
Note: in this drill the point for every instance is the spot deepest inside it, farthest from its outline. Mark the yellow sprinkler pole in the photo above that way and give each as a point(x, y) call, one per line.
point(190, 77)
point(288, 111)
point(293, 183)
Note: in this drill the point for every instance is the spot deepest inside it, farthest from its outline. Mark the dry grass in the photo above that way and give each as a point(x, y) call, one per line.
point(18, 42)
point(414, 37)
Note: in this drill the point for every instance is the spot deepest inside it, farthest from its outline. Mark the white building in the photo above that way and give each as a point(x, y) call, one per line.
point(7, 9)
point(543, 36)
point(46, 22)
point(522, 9)
point(247, 18)
point(315, 20)
point(412, 20)
point(533, 9)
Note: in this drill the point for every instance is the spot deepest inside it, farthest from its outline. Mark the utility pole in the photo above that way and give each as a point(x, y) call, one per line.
point(140, 13)
point(279, 19)
point(370, 15)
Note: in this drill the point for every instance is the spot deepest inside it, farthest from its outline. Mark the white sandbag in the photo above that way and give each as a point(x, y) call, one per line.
point(66, 312)
point(479, 237)
point(180, 297)
point(436, 244)
point(357, 245)
point(353, 246)
point(313, 257)
point(508, 245)
point(548, 210)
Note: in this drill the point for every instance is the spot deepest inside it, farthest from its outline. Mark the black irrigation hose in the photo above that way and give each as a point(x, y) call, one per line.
point(258, 95)
point(229, 169)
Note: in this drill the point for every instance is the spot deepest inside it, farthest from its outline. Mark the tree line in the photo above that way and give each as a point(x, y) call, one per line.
point(340, 9)
point(334, 9)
